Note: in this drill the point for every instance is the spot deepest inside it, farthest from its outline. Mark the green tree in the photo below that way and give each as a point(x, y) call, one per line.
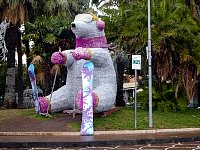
point(48, 29)
point(123, 27)
point(175, 36)
point(14, 11)
point(175, 44)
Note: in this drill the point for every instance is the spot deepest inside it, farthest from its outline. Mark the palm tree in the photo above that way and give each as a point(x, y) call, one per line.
point(11, 37)
point(15, 12)
point(20, 70)
point(175, 36)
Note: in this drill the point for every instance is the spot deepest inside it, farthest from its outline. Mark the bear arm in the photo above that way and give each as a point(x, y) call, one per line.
point(100, 57)
point(70, 59)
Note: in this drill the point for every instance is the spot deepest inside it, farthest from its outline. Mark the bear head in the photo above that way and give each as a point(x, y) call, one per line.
point(87, 26)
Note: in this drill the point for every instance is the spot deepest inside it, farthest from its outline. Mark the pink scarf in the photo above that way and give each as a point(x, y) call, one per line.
point(95, 42)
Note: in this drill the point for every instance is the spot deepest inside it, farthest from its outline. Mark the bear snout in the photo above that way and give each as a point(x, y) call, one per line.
point(73, 25)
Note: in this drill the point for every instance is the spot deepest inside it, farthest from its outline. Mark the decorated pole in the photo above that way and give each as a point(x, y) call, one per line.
point(31, 72)
point(87, 112)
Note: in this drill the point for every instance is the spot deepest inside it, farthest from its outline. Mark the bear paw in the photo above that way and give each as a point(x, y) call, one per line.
point(44, 104)
point(58, 58)
point(82, 53)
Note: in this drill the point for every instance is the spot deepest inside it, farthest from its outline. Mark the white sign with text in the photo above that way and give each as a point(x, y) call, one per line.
point(136, 62)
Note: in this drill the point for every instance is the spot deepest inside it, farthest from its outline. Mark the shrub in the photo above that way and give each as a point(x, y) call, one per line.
point(166, 101)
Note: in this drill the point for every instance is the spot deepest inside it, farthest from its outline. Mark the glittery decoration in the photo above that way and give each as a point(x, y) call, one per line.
point(89, 53)
point(31, 72)
point(79, 99)
point(94, 42)
point(58, 58)
point(83, 17)
point(82, 53)
point(100, 25)
point(88, 36)
point(87, 112)
point(94, 17)
point(43, 104)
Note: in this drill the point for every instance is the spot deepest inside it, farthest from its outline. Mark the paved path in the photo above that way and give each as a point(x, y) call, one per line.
point(23, 123)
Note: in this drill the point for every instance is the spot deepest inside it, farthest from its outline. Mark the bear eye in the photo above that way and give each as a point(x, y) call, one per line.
point(84, 17)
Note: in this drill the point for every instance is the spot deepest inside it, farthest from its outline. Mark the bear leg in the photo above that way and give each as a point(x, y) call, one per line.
point(79, 100)
point(107, 95)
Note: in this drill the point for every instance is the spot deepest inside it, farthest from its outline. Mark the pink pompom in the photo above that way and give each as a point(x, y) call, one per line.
point(100, 25)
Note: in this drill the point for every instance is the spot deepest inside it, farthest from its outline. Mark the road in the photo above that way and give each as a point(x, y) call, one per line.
point(165, 146)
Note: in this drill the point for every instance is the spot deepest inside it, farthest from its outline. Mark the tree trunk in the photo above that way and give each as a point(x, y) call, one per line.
point(47, 76)
point(9, 100)
point(10, 38)
point(120, 74)
point(20, 71)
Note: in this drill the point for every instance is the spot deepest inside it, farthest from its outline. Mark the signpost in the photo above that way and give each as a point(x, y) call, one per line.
point(136, 64)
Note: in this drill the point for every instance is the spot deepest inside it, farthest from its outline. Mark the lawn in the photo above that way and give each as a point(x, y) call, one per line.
point(123, 119)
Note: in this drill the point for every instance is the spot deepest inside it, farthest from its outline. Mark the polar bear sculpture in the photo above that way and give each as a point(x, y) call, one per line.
point(91, 44)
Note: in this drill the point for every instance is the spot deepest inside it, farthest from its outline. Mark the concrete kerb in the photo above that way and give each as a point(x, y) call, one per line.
point(119, 132)
point(100, 138)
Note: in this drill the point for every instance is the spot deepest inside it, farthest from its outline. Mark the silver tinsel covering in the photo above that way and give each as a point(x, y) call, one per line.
point(104, 85)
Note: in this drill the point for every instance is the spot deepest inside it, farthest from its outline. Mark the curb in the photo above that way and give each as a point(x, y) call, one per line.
point(119, 132)
point(100, 138)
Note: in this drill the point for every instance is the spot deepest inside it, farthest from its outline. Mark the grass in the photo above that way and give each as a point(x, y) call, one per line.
point(123, 119)
point(10, 113)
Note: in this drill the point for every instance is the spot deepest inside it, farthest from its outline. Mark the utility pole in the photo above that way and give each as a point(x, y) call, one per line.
point(149, 66)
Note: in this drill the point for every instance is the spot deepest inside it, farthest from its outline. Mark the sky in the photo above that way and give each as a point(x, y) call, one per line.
point(23, 58)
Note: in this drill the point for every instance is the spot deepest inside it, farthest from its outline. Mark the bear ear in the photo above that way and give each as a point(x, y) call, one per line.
point(100, 24)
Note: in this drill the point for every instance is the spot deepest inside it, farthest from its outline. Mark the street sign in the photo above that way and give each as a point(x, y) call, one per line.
point(136, 65)
point(136, 62)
